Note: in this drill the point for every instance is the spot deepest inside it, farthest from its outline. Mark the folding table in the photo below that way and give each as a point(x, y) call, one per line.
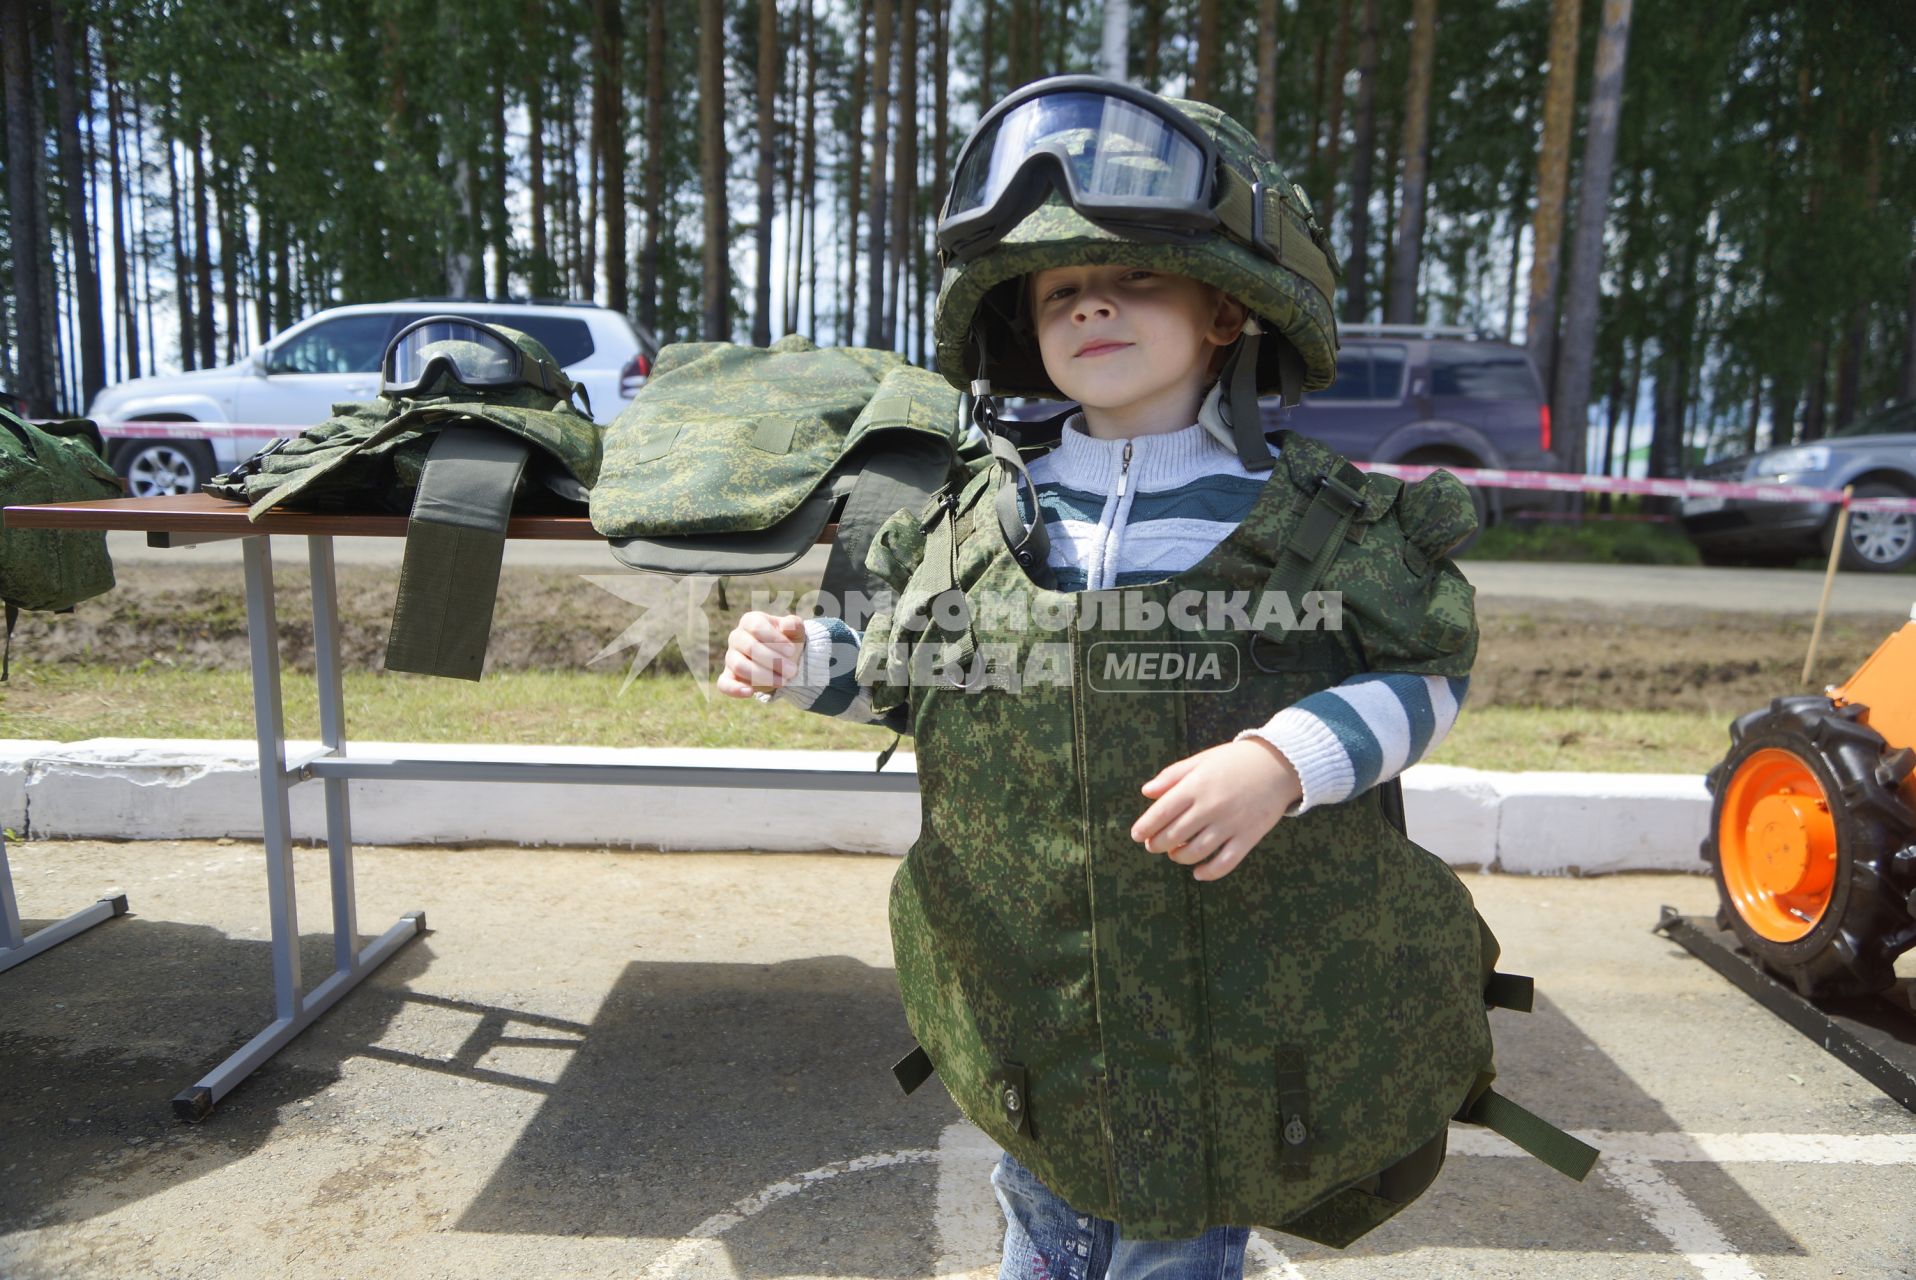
point(195, 518)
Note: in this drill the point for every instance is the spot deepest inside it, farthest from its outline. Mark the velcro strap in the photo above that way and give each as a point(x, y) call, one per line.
point(1276, 229)
point(913, 1069)
point(455, 540)
point(1315, 541)
point(1510, 991)
point(1567, 1155)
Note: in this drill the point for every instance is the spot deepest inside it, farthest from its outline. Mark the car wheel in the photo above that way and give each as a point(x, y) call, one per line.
point(1876, 541)
point(165, 468)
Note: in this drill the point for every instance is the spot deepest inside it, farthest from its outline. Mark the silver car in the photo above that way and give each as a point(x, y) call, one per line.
point(1876, 453)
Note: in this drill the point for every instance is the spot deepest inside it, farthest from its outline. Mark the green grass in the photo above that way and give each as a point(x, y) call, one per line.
point(1590, 541)
point(576, 708)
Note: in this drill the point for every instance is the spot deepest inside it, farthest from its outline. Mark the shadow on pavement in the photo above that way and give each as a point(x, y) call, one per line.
point(1547, 1063)
point(701, 1085)
point(103, 1030)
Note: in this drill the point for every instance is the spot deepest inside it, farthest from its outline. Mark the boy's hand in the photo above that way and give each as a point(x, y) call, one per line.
point(1212, 807)
point(761, 653)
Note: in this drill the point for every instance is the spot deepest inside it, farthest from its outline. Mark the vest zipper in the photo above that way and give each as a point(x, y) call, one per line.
point(1124, 467)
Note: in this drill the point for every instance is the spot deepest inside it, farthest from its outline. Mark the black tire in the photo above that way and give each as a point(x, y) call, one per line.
point(1851, 948)
point(1876, 541)
point(164, 468)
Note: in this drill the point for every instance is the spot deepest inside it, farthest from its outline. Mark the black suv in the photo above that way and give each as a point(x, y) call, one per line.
point(1433, 395)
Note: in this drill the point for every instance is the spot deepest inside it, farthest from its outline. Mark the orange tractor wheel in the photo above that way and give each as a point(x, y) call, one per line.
point(1805, 835)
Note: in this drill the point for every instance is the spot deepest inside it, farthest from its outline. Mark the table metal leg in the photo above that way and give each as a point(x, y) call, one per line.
point(293, 1011)
point(332, 733)
point(15, 947)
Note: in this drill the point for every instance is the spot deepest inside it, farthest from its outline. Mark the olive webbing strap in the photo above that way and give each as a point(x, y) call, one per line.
point(1567, 1155)
point(455, 540)
point(1030, 544)
point(900, 474)
point(1315, 541)
point(1265, 218)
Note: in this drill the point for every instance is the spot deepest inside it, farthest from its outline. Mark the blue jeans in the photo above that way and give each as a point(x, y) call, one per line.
point(1046, 1239)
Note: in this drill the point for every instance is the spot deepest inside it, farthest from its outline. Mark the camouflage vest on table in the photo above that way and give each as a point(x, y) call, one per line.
point(1284, 1046)
point(459, 465)
point(732, 459)
point(51, 569)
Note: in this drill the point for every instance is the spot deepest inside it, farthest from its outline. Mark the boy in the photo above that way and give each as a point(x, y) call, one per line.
point(1165, 1056)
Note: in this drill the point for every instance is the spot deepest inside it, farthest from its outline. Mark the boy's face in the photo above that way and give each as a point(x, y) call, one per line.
point(1131, 343)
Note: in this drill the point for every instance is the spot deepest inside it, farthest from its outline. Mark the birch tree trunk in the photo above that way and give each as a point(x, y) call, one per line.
point(1114, 50)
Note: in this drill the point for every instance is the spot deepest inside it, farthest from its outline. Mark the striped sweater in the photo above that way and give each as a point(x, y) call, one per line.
point(1147, 508)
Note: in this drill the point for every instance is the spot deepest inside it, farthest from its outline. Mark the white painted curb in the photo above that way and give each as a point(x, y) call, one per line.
point(150, 789)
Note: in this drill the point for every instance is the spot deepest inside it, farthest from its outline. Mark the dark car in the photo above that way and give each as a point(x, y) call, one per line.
point(1876, 453)
point(1420, 394)
point(1435, 396)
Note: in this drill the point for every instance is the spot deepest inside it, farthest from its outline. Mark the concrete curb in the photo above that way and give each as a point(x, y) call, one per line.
point(149, 789)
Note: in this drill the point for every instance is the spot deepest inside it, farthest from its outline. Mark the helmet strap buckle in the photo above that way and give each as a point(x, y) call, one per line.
point(1258, 241)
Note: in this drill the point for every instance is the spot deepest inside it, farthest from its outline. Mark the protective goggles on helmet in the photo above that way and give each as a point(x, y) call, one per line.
point(1125, 159)
point(473, 354)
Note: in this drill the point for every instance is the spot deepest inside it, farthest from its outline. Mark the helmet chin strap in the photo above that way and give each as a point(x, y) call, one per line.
point(1239, 379)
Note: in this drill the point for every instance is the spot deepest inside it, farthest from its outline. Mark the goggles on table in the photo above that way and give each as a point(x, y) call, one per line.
point(473, 354)
point(1124, 159)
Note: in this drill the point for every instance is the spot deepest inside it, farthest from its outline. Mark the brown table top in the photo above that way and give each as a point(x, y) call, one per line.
point(204, 514)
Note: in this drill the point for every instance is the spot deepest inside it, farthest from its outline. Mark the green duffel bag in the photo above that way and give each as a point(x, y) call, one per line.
point(51, 569)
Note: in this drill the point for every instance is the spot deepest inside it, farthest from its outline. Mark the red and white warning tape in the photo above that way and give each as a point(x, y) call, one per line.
point(196, 430)
point(1481, 477)
point(1660, 487)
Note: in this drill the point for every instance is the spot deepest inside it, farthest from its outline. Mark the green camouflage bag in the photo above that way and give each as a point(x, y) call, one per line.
point(459, 463)
point(1285, 1046)
point(733, 458)
point(51, 569)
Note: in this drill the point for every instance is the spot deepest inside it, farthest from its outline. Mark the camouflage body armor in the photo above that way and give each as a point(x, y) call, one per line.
point(1284, 1046)
point(732, 459)
point(51, 569)
point(459, 461)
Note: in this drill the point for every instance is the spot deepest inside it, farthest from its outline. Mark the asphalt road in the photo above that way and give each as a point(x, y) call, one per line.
point(668, 1067)
point(1754, 590)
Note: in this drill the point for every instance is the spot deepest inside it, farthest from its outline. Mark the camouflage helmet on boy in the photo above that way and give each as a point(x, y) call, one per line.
point(1078, 170)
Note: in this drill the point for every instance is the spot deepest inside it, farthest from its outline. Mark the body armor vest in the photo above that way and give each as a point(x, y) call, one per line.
point(1284, 1046)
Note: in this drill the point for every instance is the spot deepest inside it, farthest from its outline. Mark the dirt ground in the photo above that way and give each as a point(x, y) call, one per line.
point(1532, 653)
